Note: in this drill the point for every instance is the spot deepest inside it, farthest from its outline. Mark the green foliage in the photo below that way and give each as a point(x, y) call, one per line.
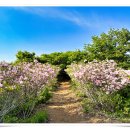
point(23, 113)
point(44, 96)
point(115, 105)
point(10, 119)
point(112, 45)
point(62, 59)
point(25, 56)
point(98, 101)
point(123, 106)
point(9, 100)
point(38, 117)
point(25, 109)
point(88, 107)
point(53, 87)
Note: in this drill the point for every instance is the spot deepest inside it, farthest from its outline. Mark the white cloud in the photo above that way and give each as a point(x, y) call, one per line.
point(93, 21)
point(71, 16)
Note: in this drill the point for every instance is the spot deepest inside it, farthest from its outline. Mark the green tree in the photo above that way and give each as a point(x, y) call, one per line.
point(112, 45)
point(44, 58)
point(25, 56)
point(61, 58)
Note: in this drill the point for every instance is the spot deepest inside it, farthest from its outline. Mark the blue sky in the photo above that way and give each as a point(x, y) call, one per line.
point(50, 29)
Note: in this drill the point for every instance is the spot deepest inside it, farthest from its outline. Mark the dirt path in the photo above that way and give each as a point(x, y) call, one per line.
point(65, 107)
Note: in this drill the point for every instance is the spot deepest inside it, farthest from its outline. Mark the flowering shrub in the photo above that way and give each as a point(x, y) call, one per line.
point(102, 83)
point(104, 75)
point(28, 79)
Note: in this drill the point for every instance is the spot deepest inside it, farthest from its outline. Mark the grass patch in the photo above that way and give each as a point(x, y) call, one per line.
point(38, 117)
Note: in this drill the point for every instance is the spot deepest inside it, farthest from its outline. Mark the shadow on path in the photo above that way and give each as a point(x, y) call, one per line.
point(65, 107)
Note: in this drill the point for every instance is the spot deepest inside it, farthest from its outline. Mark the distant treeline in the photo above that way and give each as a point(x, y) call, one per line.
point(112, 45)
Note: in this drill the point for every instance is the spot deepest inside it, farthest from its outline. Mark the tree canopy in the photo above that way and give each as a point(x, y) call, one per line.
point(112, 45)
point(25, 56)
point(62, 58)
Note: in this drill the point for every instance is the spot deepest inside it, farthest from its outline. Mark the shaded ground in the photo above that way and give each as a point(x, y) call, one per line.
point(63, 76)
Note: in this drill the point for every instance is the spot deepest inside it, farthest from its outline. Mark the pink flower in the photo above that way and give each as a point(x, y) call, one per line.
point(1, 85)
point(105, 74)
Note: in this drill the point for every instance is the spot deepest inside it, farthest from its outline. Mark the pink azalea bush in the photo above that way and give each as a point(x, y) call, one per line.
point(25, 80)
point(105, 75)
point(100, 82)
